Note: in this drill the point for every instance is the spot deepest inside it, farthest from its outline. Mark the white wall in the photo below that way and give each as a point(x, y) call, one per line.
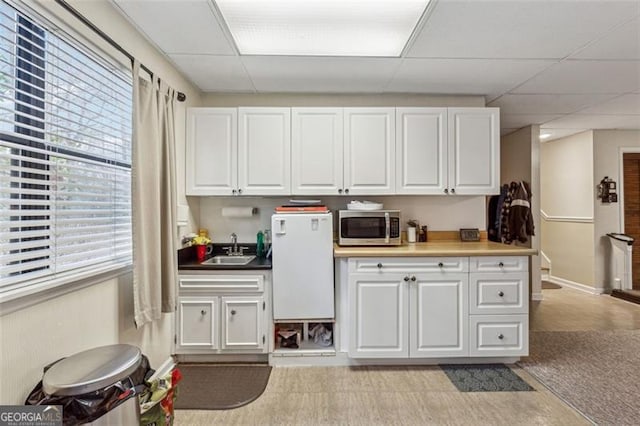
point(101, 314)
point(437, 212)
point(607, 146)
point(520, 160)
point(566, 173)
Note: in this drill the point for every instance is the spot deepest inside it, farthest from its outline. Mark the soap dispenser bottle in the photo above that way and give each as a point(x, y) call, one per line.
point(260, 244)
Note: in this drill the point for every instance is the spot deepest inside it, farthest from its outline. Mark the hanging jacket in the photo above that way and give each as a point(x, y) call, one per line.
point(520, 219)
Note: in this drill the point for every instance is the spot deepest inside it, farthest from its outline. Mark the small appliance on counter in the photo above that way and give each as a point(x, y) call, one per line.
point(369, 228)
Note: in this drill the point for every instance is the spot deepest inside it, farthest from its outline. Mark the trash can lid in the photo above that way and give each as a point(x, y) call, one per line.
point(621, 237)
point(91, 370)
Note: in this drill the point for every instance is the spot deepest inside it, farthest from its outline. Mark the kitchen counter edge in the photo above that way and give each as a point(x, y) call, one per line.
point(436, 248)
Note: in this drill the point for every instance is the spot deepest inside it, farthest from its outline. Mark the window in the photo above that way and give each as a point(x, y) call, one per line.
point(65, 157)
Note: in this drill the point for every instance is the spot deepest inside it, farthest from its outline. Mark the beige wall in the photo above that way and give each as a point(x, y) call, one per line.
point(569, 246)
point(566, 173)
point(103, 313)
point(520, 160)
point(607, 146)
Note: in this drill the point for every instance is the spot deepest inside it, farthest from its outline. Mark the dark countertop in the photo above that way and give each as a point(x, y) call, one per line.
point(187, 260)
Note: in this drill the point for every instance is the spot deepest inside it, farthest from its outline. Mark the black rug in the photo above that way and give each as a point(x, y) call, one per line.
point(220, 386)
point(485, 378)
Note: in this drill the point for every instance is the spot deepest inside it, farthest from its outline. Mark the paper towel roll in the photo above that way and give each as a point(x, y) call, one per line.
point(239, 211)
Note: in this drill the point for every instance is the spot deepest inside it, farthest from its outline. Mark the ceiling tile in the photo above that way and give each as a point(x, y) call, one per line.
point(516, 29)
point(214, 73)
point(546, 104)
point(185, 26)
point(575, 77)
point(592, 121)
point(623, 43)
point(463, 76)
point(517, 121)
point(320, 74)
point(625, 104)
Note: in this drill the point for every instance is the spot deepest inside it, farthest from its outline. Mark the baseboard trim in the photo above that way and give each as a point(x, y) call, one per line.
point(577, 286)
point(545, 276)
point(537, 296)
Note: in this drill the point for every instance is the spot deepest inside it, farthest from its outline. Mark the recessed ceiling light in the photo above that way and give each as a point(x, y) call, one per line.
point(321, 27)
point(545, 135)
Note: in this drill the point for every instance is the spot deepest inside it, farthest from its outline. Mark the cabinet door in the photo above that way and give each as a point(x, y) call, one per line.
point(378, 316)
point(211, 151)
point(474, 150)
point(316, 151)
point(243, 323)
point(421, 150)
point(264, 151)
point(197, 323)
point(369, 151)
point(439, 315)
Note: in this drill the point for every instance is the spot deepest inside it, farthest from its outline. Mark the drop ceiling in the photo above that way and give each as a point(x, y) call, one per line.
point(568, 65)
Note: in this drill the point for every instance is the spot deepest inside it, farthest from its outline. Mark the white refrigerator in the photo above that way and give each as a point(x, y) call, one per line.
point(302, 258)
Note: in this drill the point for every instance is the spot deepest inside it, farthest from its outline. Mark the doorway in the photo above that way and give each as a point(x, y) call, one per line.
point(631, 202)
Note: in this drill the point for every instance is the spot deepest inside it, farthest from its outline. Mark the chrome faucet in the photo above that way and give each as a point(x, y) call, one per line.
point(234, 242)
point(234, 250)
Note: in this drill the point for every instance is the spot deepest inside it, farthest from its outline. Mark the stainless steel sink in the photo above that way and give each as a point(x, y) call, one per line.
point(228, 260)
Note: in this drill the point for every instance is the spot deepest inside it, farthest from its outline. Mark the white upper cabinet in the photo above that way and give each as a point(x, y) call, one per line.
point(264, 151)
point(474, 151)
point(316, 151)
point(369, 151)
point(421, 151)
point(211, 151)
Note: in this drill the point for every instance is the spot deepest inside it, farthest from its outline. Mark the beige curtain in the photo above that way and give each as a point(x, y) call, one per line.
point(153, 198)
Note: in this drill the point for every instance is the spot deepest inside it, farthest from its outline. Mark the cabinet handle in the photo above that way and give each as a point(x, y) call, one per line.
point(346, 191)
point(406, 278)
point(500, 336)
point(413, 278)
point(500, 293)
point(446, 190)
point(239, 191)
point(379, 265)
point(203, 312)
point(234, 192)
point(441, 264)
point(453, 190)
point(501, 264)
point(233, 312)
point(339, 191)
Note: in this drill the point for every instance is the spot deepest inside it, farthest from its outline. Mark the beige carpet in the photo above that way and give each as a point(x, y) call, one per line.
point(597, 372)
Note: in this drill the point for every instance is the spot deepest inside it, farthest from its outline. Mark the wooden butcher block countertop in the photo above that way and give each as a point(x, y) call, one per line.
point(436, 248)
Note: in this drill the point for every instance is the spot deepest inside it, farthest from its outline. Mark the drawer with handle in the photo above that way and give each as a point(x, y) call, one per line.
point(498, 293)
point(499, 335)
point(408, 264)
point(499, 264)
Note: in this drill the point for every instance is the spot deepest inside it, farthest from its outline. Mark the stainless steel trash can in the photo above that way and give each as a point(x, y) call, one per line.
point(95, 371)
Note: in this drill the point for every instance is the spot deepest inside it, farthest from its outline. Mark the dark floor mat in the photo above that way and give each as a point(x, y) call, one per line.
point(485, 378)
point(220, 386)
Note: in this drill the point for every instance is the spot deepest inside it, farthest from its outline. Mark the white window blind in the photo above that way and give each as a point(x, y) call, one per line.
point(65, 156)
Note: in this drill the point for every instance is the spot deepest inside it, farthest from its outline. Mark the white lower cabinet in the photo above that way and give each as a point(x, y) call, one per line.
point(197, 322)
point(411, 314)
point(378, 309)
point(438, 307)
point(438, 315)
point(222, 312)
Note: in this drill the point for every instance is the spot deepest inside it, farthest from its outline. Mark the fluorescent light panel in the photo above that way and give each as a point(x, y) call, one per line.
point(321, 27)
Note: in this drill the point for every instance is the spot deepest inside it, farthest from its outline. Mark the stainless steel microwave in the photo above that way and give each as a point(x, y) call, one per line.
point(369, 228)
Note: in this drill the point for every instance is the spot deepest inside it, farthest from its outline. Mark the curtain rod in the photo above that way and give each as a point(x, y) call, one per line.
point(181, 96)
